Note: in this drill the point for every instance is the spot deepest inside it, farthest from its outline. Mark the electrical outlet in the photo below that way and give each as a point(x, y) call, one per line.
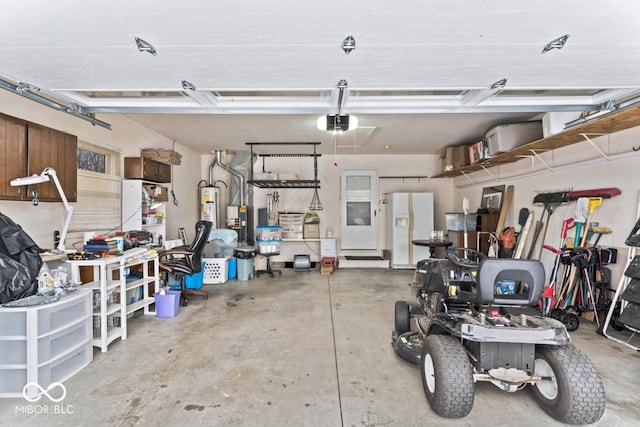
point(56, 238)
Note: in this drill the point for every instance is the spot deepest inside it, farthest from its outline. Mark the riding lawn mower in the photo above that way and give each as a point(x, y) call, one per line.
point(476, 319)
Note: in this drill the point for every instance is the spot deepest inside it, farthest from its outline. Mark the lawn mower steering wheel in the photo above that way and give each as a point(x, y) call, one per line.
point(472, 260)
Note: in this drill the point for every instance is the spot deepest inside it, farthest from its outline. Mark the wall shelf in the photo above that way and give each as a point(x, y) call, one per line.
point(285, 183)
point(610, 123)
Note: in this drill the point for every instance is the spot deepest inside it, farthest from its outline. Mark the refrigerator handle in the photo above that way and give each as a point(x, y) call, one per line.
point(410, 230)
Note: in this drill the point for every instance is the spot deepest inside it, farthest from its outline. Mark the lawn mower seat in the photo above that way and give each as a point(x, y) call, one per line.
point(507, 282)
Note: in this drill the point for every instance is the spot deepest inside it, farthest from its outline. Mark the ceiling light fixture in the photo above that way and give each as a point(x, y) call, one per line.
point(145, 46)
point(338, 123)
point(349, 44)
point(26, 90)
point(556, 44)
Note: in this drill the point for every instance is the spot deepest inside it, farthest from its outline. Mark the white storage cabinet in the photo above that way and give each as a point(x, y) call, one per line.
point(44, 344)
point(137, 199)
point(110, 288)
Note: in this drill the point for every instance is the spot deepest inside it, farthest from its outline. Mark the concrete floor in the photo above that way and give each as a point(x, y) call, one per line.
point(301, 349)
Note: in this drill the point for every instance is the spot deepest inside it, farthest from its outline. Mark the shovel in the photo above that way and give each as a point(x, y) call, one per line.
point(593, 203)
point(581, 215)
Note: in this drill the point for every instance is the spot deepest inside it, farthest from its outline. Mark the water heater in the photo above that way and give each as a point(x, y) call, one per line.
point(209, 199)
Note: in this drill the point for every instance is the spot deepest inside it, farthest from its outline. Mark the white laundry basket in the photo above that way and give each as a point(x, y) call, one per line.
point(215, 271)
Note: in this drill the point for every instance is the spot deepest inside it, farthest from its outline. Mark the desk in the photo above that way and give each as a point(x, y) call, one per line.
point(432, 244)
point(316, 248)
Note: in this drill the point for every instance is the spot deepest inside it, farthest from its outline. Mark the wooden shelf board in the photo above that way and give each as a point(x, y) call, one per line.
point(610, 123)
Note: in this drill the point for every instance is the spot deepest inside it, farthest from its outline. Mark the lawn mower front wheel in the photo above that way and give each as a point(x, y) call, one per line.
point(571, 390)
point(447, 376)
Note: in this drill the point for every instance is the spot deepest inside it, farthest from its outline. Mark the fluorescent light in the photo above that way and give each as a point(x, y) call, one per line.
point(29, 180)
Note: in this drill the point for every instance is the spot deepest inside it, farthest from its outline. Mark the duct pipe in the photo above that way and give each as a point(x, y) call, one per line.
point(217, 160)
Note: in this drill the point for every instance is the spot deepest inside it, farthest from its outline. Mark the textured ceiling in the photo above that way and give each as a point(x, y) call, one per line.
point(430, 65)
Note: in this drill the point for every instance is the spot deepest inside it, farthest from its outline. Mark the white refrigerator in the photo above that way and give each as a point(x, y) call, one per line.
point(409, 216)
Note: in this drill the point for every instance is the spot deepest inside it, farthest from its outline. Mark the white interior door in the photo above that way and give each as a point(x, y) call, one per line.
point(359, 219)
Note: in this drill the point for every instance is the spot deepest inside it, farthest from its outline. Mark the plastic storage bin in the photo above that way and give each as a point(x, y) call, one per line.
point(268, 247)
point(167, 305)
point(268, 232)
point(195, 280)
point(456, 221)
point(292, 225)
point(503, 138)
point(232, 268)
point(214, 271)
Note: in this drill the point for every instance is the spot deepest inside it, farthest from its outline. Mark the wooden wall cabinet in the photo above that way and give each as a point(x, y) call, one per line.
point(147, 169)
point(13, 156)
point(52, 148)
point(27, 149)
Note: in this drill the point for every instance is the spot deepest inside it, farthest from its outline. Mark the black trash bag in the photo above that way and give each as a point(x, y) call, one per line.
point(244, 253)
point(20, 262)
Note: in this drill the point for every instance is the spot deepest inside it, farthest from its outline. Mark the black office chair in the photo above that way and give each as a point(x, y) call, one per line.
point(187, 260)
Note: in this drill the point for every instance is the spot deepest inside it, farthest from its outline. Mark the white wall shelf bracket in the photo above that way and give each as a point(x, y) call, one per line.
point(468, 177)
point(537, 156)
point(495, 178)
point(593, 144)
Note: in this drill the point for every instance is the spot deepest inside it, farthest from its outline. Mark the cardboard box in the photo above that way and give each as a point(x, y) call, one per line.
point(158, 193)
point(476, 152)
point(447, 159)
point(460, 156)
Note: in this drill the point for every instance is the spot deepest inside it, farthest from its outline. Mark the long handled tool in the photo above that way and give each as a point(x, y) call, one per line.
point(581, 215)
point(594, 202)
point(550, 201)
point(548, 300)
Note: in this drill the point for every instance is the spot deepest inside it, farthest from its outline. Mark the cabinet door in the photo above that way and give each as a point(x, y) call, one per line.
point(359, 222)
point(13, 156)
point(58, 150)
point(150, 169)
point(164, 172)
point(142, 168)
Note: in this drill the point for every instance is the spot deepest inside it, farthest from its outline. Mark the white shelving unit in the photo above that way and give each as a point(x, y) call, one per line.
point(137, 197)
point(44, 344)
point(114, 293)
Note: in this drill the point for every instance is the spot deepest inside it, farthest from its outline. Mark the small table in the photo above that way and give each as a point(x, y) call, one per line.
point(432, 244)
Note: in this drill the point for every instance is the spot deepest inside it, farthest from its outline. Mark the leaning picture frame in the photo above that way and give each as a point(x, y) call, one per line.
point(492, 198)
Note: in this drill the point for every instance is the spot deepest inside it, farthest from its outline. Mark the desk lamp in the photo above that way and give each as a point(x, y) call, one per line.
point(44, 177)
